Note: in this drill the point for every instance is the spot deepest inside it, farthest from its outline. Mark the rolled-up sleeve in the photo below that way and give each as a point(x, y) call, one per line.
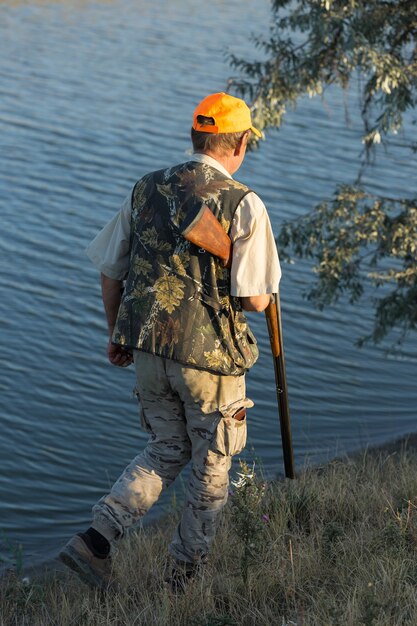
point(255, 265)
point(110, 249)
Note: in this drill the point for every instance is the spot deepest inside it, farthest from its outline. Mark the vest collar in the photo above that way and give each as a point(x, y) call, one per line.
point(208, 160)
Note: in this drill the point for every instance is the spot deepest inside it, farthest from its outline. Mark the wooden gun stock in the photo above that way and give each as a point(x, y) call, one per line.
point(203, 229)
point(273, 329)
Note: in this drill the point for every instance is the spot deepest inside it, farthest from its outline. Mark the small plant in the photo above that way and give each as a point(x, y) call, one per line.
point(14, 557)
point(248, 519)
point(404, 520)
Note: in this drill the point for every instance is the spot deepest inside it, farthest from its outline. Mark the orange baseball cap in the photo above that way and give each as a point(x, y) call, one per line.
point(225, 113)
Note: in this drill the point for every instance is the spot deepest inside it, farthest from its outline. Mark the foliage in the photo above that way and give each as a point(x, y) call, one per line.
point(312, 45)
point(358, 231)
point(247, 518)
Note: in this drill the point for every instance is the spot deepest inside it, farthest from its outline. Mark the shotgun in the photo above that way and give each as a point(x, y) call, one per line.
point(203, 229)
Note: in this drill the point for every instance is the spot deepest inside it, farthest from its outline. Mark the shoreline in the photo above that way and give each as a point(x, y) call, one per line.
point(403, 443)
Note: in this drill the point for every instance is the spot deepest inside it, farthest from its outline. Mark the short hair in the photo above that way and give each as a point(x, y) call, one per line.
point(221, 143)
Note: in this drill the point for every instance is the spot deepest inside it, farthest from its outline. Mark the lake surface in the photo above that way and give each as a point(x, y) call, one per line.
point(92, 96)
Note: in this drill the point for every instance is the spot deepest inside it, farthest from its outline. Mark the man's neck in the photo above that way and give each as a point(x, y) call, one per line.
point(227, 161)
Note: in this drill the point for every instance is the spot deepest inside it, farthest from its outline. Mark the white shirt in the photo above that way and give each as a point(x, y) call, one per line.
point(255, 265)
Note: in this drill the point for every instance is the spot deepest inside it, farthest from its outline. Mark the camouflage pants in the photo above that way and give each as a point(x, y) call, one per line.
point(190, 416)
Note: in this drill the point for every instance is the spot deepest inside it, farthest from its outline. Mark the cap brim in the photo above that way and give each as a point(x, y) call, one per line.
point(256, 132)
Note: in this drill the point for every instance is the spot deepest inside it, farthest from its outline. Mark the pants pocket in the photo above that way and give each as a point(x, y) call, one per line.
point(231, 433)
point(142, 417)
point(144, 422)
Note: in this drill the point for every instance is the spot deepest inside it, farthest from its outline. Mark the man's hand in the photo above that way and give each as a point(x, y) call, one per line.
point(119, 356)
point(111, 291)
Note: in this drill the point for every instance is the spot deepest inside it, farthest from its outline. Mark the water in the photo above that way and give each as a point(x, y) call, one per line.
point(92, 96)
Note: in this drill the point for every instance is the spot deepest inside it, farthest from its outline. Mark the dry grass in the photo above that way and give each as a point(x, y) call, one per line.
point(337, 547)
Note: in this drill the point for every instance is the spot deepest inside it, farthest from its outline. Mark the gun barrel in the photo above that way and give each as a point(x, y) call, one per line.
point(273, 318)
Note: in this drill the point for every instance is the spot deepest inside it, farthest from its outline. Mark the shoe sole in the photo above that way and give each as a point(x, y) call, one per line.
point(73, 560)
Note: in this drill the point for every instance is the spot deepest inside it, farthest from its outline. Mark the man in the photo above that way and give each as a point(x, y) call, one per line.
point(179, 316)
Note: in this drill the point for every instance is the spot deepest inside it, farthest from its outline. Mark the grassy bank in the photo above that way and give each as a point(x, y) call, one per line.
point(337, 547)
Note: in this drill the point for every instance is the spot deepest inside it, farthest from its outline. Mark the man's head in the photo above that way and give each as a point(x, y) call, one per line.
point(222, 125)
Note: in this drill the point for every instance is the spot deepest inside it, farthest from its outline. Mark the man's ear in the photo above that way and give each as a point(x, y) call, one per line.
point(242, 143)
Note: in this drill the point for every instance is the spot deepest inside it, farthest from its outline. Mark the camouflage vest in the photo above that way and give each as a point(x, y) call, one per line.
point(176, 302)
